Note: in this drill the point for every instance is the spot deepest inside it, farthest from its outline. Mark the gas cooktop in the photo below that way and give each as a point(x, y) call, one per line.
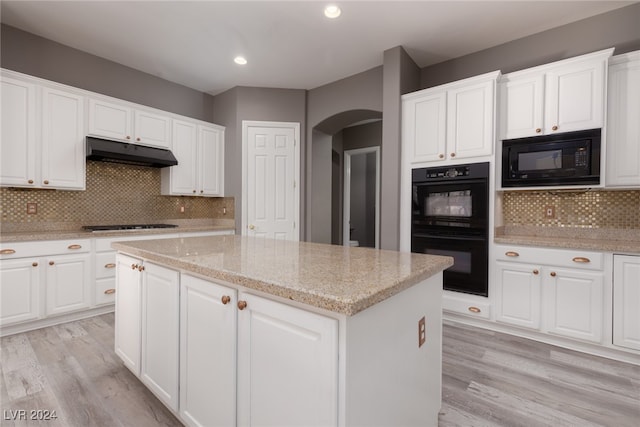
point(121, 227)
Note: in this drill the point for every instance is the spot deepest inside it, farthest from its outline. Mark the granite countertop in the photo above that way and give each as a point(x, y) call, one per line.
point(341, 279)
point(61, 233)
point(602, 240)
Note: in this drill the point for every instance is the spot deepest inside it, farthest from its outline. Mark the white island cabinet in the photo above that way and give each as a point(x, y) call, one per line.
point(287, 333)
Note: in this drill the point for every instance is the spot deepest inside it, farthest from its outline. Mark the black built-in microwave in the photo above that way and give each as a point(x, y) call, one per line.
point(571, 158)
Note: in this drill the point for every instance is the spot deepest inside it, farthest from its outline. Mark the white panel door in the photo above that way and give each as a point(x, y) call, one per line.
point(19, 290)
point(518, 294)
point(626, 300)
point(128, 311)
point(208, 333)
point(63, 152)
point(18, 144)
point(109, 120)
point(272, 169)
point(211, 159)
point(160, 332)
point(521, 107)
point(152, 129)
point(68, 283)
point(185, 148)
point(295, 349)
point(575, 302)
point(426, 127)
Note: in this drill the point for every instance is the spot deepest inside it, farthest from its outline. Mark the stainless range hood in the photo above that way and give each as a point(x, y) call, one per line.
point(120, 152)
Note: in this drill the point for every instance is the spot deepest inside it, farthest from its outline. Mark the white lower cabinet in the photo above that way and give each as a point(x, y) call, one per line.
point(207, 353)
point(68, 283)
point(293, 348)
point(19, 290)
point(626, 301)
point(559, 292)
point(128, 323)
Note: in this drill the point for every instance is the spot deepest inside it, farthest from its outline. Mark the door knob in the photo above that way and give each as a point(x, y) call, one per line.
point(251, 227)
point(226, 299)
point(242, 305)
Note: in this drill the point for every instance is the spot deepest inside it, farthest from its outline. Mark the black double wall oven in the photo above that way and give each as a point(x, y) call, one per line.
point(450, 216)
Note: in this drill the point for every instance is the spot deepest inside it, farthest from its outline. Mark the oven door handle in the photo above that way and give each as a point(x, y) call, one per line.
point(463, 237)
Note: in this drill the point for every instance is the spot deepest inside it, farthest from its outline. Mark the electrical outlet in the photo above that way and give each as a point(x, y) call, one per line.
point(422, 331)
point(32, 208)
point(550, 211)
point(181, 209)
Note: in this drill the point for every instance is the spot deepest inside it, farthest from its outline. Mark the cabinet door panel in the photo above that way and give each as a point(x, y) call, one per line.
point(160, 317)
point(294, 348)
point(470, 120)
point(518, 294)
point(128, 312)
point(18, 144)
point(207, 353)
point(63, 152)
point(575, 301)
point(68, 283)
point(427, 127)
point(626, 300)
point(152, 129)
point(19, 290)
point(183, 177)
point(521, 107)
point(109, 120)
point(211, 160)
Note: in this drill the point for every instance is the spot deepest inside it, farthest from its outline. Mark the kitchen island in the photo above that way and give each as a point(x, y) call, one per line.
point(234, 330)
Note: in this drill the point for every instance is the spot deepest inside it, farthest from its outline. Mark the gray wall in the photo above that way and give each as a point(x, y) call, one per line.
point(321, 187)
point(34, 55)
point(230, 108)
point(619, 28)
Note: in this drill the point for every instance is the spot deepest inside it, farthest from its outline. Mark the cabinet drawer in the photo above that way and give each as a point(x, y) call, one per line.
point(573, 258)
point(105, 264)
point(465, 306)
point(10, 250)
point(106, 291)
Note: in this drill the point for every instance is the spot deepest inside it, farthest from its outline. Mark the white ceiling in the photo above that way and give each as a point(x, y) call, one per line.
point(288, 44)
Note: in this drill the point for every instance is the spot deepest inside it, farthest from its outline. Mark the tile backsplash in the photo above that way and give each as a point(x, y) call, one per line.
point(590, 209)
point(114, 194)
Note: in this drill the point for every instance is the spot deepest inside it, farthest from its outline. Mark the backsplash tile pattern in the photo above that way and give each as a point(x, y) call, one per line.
point(114, 194)
point(591, 209)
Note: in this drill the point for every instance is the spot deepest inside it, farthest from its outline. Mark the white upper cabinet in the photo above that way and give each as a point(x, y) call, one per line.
point(623, 122)
point(564, 96)
point(42, 135)
point(119, 121)
point(450, 122)
point(200, 153)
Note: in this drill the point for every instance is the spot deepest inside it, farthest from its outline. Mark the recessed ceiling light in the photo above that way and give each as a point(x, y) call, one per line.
point(240, 60)
point(332, 11)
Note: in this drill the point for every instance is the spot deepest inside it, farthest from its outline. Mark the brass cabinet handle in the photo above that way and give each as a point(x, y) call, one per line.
point(452, 154)
point(554, 128)
point(35, 264)
point(30, 181)
point(51, 262)
point(110, 291)
point(242, 305)
point(552, 274)
point(538, 130)
point(134, 266)
point(225, 299)
point(474, 309)
point(46, 182)
point(110, 265)
point(7, 251)
point(141, 268)
point(512, 254)
point(74, 247)
point(535, 272)
point(581, 259)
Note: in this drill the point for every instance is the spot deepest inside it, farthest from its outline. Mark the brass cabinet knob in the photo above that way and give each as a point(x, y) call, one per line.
point(512, 254)
point(201, 191)
point(474, 309)
point(536, 272)
point(110, 291)
point(554, 128)
point(452, 154)
point(553, 274)
point(128, 137)
point(138, 139)
point(46, 182)
point(35, 264)
point(74, 247)
point(7, 251)
point(110, 265)
point(225, 299)
point(538, 130)
point(441, 156)
point(141, 268)
point(134, 266)
point(194, 191)
point(30, 181)
point(51, 262)
point(242, 305)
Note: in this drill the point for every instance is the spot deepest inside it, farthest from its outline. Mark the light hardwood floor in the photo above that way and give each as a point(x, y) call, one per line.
point(489, 379)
